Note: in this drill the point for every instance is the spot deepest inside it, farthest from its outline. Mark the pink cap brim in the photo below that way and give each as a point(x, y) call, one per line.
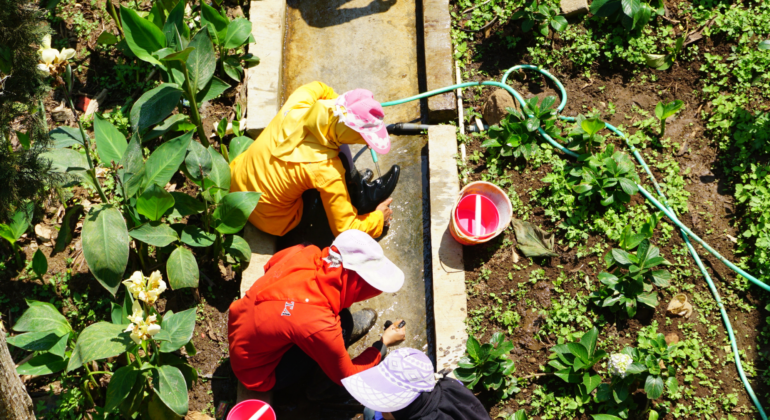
point(381, 133)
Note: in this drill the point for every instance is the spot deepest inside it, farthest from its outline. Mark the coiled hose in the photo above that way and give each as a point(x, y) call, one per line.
point(687, 234)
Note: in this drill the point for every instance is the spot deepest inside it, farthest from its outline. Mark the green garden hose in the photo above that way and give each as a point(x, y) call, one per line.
point(665, 207)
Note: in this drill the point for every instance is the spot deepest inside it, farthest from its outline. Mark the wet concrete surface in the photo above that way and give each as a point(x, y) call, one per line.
point(369, 44)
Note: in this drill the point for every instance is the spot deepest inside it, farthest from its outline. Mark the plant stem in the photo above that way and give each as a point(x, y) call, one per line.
point(90, 375)
point(100, 372)
point(88, 394)
point(194, 113)
point(114, 14)
point(87, 143)
point(662, 127)
point(41, 110)
point(17, 253)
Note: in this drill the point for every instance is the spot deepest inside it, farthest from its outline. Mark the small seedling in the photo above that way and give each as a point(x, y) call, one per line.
point(664, 111)
point(39, 264)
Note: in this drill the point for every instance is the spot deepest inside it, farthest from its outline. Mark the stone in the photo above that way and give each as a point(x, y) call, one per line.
point(574, 7)
point(495, 107)
point(439, 63)
point(672, 338)
point(43, 232)
point(446, 253)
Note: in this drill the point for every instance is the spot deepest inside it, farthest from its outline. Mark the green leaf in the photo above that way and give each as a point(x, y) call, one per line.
point(154, 106)
point(588, 340)
point(238, 32)
point(99, 341)
point(65, 160)
point(38, 340)
point(197, 237)
point(154, 233)
point(41, 316)
point(591, 382)
point(42, 364)
point(672, 385)
point(592, 126)
point(212, 90)
point(170, 124)
point(232, 67)
point(579, 351)
point(185, 205)
point(110, 143)
point(569, 376)
point(661, 278)
point(653, 415)
point(39, 263)
point(176, 330)
point(605, 417)
point(23, 139)
point(635, 368)
point(628, 186)
point(182, 269)
point(202, 62)
point(169, 384)
point(65, 137)
point(764, 45)
point(558, 23)
point(68, 224)
point(210, 16)
point(473, 348)
point(154, 202)
point(220, 175)
point(121, 383)
point(132, 163)
point(142, 36)
point(623, 257)
point(234, 210)
point(105, 245)
point(653, 386)
point(465, 375)
point(106, 38)
point(165, 160)
point(198, 161)
point(239, 145)
point(655, 61)
point(663, 111)
point(175, 25)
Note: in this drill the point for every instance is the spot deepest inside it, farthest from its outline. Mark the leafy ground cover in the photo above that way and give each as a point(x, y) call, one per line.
point(143, 187)
point(711, 159)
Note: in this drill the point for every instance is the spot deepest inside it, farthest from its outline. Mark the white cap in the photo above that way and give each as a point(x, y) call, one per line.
point(360, 253)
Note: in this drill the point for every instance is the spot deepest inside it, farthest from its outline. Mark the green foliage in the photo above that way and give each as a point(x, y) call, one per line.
point(609, 175)
point(623, 290)
point(584, 137)
point(573, 363)
point(47, 333)
point(488, 365)
point(229, 36)
point(517, 134)
point(665, 110)
point(633, 14)
point(540, 16)
point(665, 61)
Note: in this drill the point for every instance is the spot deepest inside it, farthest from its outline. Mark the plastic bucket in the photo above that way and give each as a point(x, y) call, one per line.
point(245, 409)
point(469, 226)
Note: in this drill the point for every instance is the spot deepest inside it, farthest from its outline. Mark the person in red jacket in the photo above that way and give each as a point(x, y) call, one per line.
point(295, 316)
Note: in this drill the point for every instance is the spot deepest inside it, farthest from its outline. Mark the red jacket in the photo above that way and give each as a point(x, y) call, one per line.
point(297, 301)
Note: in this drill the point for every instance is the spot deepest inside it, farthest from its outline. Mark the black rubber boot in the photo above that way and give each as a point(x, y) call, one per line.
point(379, 190)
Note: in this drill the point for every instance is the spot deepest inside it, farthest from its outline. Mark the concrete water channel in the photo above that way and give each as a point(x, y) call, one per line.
point(376, 45)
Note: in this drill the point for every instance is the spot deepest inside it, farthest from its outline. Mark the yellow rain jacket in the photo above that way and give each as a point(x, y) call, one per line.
point(296, 152)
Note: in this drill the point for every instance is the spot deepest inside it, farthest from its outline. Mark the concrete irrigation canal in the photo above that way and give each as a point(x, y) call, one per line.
point(377, 45)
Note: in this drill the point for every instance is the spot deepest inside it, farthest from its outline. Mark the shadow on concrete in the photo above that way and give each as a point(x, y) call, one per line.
point(326, 13)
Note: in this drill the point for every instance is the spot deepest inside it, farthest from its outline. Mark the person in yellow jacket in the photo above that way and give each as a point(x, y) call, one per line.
point(304, 179)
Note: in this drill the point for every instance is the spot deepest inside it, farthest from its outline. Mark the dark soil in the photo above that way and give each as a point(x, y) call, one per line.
point(711, 195)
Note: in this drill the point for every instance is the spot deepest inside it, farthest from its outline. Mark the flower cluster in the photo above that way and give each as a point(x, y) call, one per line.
point(619, 363)
point(53, 61)
point(146, 289)
point(140, 329)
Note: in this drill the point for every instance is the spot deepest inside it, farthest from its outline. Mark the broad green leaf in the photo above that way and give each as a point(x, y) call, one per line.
point(465, 375)
point(42, 364)
point(655, 61)
point(764, 45)
point(569, 376)
point(232, 67)
point(185, 205)
point(630, 7)
point(234, 210)
point(220, 175)
point(628, 186)
point(175, 25)
point(182, 269)
point(558, 23)
point(605, 417)
point(623, 257)
point(661, 278)
point(180, 56)
point(171, 123)
point(588, 340)
point(39, 263)
point(41, 316)
point(68, 225)
point(105, 245)
point(473, 348)
point(653, 386)
point(121, 383)
point(653, 415)
point(65, 137)
point(131, 164)
point(142, 36)
point(648, 298)
point(197, 237)
point(38, 340)
point(169, 384)
point(176, 330)
point(154, 106)
point(672, 385)
point(165, 160)
point(238, 32)
point(520, 415)
point(210, 16)
point(201, 62)
point(110, 143)
point(65, 160)
point(239, 145)
point(107, 38)
point(212, 90)
point(155, 233)
point(663, 111)
point(592, 126)
point(99, 341)
point(198, 161)
point(591, 382)
point(635, 368)
point(154, 202)
point(579, 351)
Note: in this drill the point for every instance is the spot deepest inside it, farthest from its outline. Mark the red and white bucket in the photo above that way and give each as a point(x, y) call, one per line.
point(481, 212)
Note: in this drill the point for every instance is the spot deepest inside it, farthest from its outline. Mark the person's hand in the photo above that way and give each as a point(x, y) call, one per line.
point(394, 335)
point(387, 213)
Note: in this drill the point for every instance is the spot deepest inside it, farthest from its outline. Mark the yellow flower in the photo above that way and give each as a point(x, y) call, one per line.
point(135, 284)
point(52, 61)
point(140, 329)
point(146, 289)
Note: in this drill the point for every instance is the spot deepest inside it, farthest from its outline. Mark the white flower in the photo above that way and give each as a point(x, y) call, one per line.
point(140, 329)
point(146, 289)
point(619, 363)
point(51, 59)
point(138, 314)
point(135, 284)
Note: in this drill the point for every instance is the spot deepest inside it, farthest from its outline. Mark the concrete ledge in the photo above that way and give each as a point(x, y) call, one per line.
point(262, 249)
point(449, 299)
point(268, 23)
point(439, 67)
